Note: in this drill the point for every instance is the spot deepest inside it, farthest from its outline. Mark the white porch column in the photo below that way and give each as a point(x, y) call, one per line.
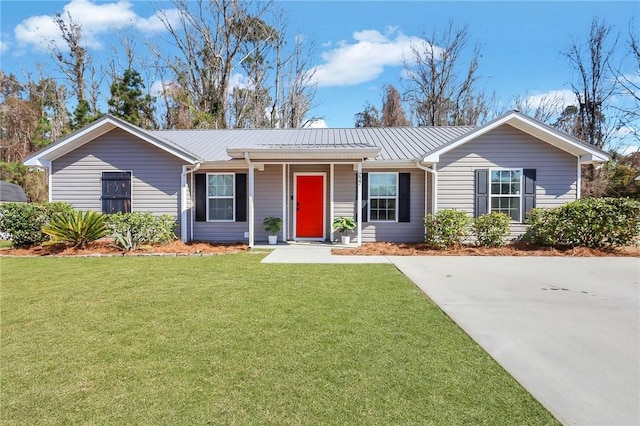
point(183, 204)
point(251, 211)
point(284, 202)
point(579, 180)
point(359, 198)
point(331, 203)
point(434, 191)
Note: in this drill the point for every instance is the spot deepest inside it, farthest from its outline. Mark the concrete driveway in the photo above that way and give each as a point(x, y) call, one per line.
point(568, 329)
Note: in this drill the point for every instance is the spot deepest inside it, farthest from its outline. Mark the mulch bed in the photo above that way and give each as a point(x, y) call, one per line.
point(514, 249)
point(107, 248)
point(178, 248)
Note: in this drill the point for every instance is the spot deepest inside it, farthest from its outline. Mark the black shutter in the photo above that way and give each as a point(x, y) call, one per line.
point(365, 197)
point(201, 197)
point(404, 197)
point(529, 189)
point(482, 192)
point(241, 197)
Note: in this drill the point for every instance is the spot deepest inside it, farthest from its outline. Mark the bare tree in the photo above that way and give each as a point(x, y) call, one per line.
point(369, 117)
point(628, 79)
point(392, 112)
point(210, 36)
point(544, 108)
point(295, 88)
point(440, 85)
point(74, 64)
point(595, 85)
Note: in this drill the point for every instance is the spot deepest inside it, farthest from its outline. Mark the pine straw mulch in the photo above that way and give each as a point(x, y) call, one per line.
point(108, 248)
point(513, 249)
point(178, 248)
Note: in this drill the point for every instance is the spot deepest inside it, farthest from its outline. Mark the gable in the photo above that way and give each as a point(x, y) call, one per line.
point(93, 132)
point(534, 128)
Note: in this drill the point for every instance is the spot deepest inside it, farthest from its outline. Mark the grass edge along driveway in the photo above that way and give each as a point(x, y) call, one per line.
point(226, 339)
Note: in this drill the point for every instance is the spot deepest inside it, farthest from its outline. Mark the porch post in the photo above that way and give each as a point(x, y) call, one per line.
point(434, 191)
point(359, 198)
point(183, 204)
point(251, 211)
point(331, 203)
point(284, 202)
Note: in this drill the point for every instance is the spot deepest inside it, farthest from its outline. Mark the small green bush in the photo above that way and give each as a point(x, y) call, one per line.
point(446, 228)
point(22, 222)
point(76, 227)
point(131, 229)
point(589, 222)
point(491, 229)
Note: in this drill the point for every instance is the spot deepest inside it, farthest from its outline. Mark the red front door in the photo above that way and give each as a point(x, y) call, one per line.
point(310, 206)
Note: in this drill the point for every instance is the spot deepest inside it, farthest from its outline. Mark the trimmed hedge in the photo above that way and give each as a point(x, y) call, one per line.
point(141, 228)
point(22, 222)
point(446, 228)
point(589, 222)
point(491, 229)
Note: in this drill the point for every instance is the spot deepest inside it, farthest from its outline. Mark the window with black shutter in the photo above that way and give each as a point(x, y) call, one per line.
point(116, 192)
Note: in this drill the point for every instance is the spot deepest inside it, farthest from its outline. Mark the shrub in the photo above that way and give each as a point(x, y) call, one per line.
point(446, 228)
point(76, 227)
point(131, 229)
point(491, 229)
point(22, 222)
point(590, 222)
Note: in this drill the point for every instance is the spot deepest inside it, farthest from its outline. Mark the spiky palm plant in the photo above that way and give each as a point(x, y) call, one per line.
point(76, 227)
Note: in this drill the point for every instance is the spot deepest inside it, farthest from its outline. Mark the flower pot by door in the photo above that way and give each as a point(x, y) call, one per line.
point(345, 239)
point(273, 239)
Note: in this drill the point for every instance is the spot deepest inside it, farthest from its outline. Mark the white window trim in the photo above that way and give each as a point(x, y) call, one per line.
point(233, 197)
point(491, 195)
point(396, 197)
point(116, 171)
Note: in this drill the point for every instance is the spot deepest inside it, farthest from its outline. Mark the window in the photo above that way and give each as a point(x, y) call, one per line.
point(383, 196)
point(220, 196)
point(505, 192)
point(116, 192)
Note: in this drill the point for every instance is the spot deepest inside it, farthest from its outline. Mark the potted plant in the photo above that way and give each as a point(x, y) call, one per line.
point(272, 225)
point(344, 224)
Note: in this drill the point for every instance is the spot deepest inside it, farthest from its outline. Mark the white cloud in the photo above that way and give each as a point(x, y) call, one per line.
point(557, 100)
point(354, 63)
point(96, 19)
point(4, 46)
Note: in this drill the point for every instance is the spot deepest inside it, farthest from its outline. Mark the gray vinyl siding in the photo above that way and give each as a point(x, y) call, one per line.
point(509, 148)
point(76, 176)
point(268, 198)
point(408, 232)
point(223, 232)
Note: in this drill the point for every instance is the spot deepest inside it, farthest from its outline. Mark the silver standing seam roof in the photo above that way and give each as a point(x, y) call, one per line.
point(395, 143)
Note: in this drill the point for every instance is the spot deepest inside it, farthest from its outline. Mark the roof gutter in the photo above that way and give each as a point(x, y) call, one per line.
point(434, 186)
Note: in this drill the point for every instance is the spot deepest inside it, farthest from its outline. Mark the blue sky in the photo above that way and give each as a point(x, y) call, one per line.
point(359, 44)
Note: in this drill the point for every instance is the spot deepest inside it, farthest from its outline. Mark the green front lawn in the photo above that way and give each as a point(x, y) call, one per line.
point(227, 340)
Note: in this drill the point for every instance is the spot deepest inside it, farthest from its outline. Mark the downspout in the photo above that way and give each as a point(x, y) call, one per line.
point(579, 180)
point(251, 189)
point(434, 185)
point(183, 201)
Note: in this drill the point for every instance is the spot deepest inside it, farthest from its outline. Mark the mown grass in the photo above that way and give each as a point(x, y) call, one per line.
point(5, 244)
point(227, 340)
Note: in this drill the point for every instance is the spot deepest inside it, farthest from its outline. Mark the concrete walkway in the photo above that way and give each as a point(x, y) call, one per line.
point(313, 253)
point(568, 329)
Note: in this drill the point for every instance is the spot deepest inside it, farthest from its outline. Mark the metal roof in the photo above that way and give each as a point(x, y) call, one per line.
point(11, 192)
point(395, 143)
